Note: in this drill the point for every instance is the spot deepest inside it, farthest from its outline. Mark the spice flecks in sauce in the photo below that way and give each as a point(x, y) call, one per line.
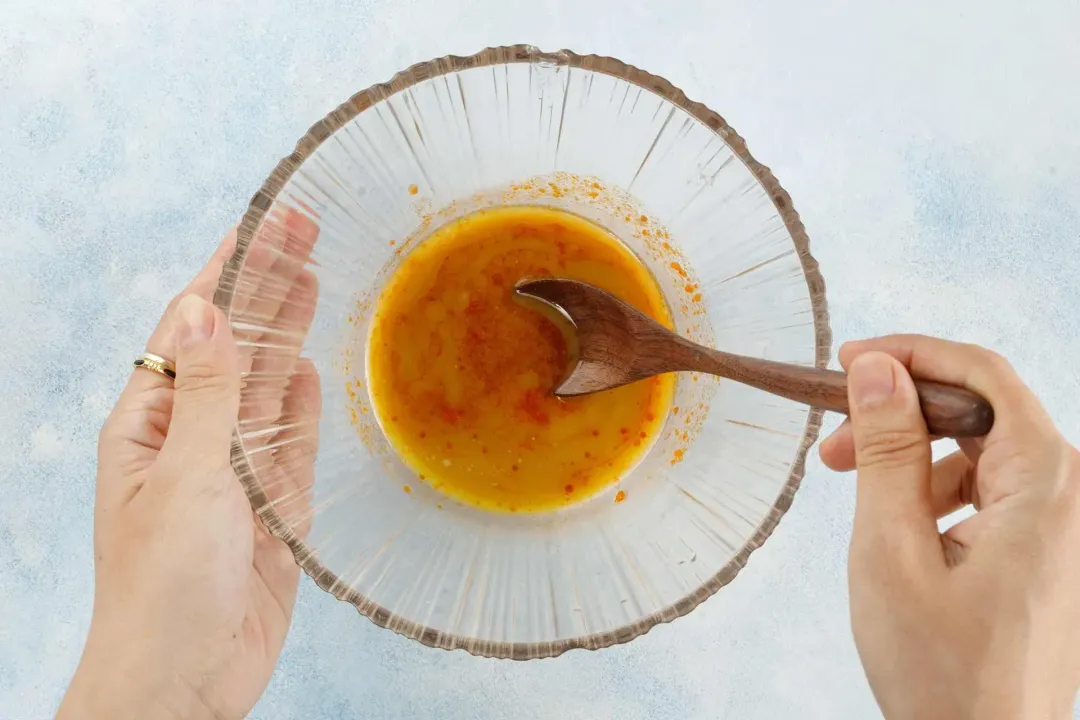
point(612, 207)
point(458, 365)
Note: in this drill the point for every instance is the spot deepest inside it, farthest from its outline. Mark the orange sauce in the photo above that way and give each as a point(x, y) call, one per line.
point(461, 371)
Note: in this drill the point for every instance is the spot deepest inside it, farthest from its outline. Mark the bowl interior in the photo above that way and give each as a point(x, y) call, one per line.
point(518, 126)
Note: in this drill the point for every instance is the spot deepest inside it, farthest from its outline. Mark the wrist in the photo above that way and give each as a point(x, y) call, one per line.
point(117, 683)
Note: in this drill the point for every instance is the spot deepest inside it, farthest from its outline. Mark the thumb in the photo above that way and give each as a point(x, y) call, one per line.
point(207, 397)
point(892, 455)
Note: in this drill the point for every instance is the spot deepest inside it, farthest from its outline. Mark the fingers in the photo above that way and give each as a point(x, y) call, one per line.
point(207, 394)
point(1016, 409)
point(287, 479)
point(286, 465)
point(269, 362)
point(139, 393)
point(275, 348)
point(895, 524)
point(274, 291)
point(838, 450)
point(952, 484)
point(276, 256)
point(206, 281)
point(952, 478)
point(135, 430)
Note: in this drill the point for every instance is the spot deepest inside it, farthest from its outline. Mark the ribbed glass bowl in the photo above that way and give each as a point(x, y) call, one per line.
point(514, 125)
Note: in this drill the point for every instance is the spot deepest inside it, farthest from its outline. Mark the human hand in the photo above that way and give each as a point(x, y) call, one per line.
point(982, 621)
point(193, 597)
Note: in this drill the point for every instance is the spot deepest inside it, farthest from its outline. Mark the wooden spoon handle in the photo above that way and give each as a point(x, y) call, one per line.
point(949, 411)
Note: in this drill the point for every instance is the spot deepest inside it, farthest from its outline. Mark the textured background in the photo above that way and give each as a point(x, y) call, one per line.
point(931, 149)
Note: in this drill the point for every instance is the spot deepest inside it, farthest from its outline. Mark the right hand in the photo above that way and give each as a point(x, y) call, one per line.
point(982, 621)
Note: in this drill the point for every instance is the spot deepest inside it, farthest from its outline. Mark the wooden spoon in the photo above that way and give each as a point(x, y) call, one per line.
point(618, 345)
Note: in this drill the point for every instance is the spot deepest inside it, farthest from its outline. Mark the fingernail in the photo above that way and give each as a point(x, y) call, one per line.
point(871, 381)
point(197, 318)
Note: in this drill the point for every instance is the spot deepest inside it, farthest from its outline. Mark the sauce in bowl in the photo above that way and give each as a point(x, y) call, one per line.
point(461, 371)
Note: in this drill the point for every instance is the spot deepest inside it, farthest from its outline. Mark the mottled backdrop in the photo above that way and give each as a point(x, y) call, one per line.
point(931, 148)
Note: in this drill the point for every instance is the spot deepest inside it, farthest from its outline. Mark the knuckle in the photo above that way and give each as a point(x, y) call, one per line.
point(891, 449)
point(191, 458)
point(990, 362)
point(998, 364)
point(107, 431)
point(204, 379)
point(967, 489)
point(170, 309)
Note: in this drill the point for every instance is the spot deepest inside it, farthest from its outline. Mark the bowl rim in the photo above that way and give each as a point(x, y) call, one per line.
point(262, 201)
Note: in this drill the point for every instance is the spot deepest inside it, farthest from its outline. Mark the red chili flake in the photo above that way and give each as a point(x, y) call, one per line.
point(450, 415)
point(532, 404)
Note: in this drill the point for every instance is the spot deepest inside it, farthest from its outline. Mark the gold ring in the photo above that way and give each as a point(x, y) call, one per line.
point(156, 363)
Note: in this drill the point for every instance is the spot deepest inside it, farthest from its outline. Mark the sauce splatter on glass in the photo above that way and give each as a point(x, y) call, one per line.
point(461, 371)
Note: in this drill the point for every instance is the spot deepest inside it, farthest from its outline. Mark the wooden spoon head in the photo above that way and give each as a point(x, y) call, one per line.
point(609, 334)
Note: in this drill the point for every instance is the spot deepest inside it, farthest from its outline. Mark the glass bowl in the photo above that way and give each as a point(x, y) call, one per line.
point(514, 125)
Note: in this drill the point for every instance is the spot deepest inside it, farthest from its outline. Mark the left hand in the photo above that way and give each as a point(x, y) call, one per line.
point(193, 597)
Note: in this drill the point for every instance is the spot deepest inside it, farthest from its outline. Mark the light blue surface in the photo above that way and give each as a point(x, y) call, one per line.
point(931, 149)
